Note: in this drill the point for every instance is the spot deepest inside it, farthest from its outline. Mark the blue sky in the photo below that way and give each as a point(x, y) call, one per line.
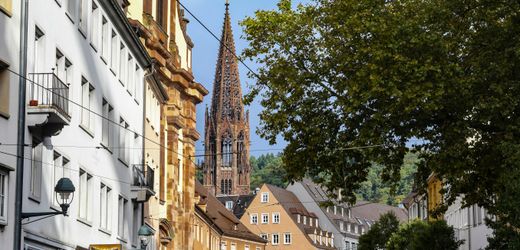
point(211, 13)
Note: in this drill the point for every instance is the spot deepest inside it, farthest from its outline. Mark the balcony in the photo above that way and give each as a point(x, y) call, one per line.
point(48, 107)
point(142, 183)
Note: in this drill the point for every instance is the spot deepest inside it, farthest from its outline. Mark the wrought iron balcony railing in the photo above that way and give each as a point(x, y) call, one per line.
point(48, 91)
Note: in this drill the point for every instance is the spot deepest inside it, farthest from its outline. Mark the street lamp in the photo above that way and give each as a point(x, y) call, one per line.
point(145, 234)
point(64, 195)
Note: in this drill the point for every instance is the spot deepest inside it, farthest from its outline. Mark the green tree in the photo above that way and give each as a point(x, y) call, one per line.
point(351, 83)
point(418, 235)
point(267, 168)
point(379, 233)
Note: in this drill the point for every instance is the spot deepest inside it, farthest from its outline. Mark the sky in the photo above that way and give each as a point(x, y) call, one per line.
point(211, 13)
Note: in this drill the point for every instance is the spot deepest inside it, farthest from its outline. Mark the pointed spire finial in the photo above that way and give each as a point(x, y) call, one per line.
point(227, 4)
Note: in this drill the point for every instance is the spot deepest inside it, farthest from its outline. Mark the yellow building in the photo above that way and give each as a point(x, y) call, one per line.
point(171, 97)
point(278, 216)
point(217, 228)
point(434, 195)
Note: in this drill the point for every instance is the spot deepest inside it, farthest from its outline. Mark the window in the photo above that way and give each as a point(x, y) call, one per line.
point(60, 164)
point(130, 78)
point(113, 49)
point(36, 170)
point(87, 101)
point(4, 192)
point(233, 246)
point(83, 10)
point(310, 222)
point(106, 135)
point(6, 6)
point(223, 245)
point(138, 86)
point(265, 197)
point(104, 39)
point(264, 236)
point(63, 68)
point(71, 9)
point(122, 64)
point(4, 89)
point(265, 218)
point(229, 205)
point(135, 224)
point(304, 220)
point(275, 240)
point(122, 220)
point(298, 218)
point(123, 140)
point(287, 238)
point(39, 51)
point(226, 152)
point(246, 247)
point(94, 26)
point(104, 208)
point(254, 218)
point(341, 226)
point(85, 184)
point(276, 218)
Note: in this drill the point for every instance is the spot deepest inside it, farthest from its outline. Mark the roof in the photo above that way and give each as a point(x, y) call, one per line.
point(240, 203)
point(222, 218)
point(363, 213)
point(292, 206)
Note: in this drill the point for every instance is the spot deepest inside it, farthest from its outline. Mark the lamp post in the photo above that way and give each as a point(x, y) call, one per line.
point(145, 234)
point(64, 195)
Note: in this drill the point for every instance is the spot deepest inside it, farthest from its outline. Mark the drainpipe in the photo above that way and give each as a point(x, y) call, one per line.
point(469, 230)
point(21, 125)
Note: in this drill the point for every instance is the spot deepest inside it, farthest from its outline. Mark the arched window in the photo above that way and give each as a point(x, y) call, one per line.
point(229, 186)
point(226, 151)
point(240, 148)
point(222, 186)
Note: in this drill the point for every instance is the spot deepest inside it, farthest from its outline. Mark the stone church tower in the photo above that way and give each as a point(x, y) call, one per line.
point(226, 164)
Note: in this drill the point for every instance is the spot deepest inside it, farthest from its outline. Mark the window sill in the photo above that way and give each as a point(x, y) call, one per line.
point(128, 91)
point(104, 59)
point(84, 221)
point(113, 71)
point(106, 147)
point(34, 199)
point(106, 231)
point(5, 11)
point(4, 115)
point(123, 162)
point(121, 81)
point(69, 16)
point(122, 239)
point(94, 47)
point(82, 31)
point(87, 130)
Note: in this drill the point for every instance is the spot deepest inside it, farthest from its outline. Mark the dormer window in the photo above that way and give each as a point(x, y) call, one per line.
point(304, 220)
point(298, 218)
point(229, 205)
point(265, 197)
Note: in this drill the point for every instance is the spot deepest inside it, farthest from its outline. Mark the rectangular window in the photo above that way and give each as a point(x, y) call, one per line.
point(39, 51)
point(87, 100)
point(36, 170)
point(246, 247)
point(60, 165)
point(71, 9)
point(83, 15)
point(130, 78)
point(287, 238)
point(4, 89)
point(94, 26)
point(254, 219)
point(123, 140)
point(265, 218)
point(122, 220)
point(265, 197)
point(104, 39)
point(106, 135)
point(229, 205)
point(223, 245)
point(276, 218)
point(136, 223)
point(114, 50)
point(122, 64)
point(85, 185)
point(233, 246)
point(275, 240)
point(264, 236)
point(4, 193)
point(104, 208)
point(63, 68)
point(138, 86)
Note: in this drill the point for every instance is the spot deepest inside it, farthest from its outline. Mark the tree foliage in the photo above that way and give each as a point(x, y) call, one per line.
point(338, 76)
point(379, 233)
point(418, 235)
point(267, 168)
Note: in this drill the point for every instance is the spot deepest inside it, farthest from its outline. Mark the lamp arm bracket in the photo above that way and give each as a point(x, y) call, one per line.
point(29, 215)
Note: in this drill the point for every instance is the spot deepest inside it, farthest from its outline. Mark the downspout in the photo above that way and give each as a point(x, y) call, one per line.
point(469, 230)
point(21, 125)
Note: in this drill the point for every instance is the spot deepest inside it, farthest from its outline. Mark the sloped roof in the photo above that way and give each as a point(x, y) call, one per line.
point(224, 219)
point(293, 206)
point(240, 202)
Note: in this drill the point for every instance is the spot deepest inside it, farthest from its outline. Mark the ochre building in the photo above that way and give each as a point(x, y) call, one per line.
point(172, 96)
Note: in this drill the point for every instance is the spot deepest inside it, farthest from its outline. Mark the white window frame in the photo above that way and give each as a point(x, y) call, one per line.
point(85, 187)
point(277, 237)
point(87, 102)
point(253, 219)
point(264, 197)
point(4, 196)
point(266, 217)
point(95, 13)
point(285, 241)
point(122, 215)
point(105, 39)
point(105, 206)
point(83, 16)
point(275, 216)
point(36, 171)
point(107, 127)
point(229, 205)
point(264, 236)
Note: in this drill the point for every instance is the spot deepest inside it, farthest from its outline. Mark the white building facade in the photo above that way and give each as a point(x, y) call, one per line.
point(9, 82)
point(86, 73)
